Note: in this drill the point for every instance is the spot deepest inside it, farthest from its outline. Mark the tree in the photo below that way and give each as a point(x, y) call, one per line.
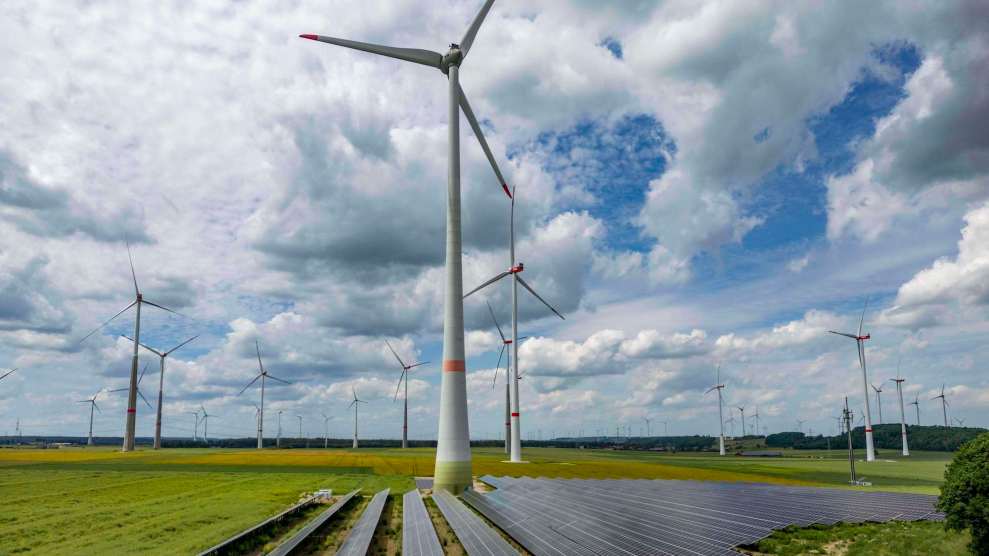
point(965, 493)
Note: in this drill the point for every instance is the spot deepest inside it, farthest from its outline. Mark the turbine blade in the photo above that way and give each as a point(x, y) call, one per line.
point(853, 336)
point(278, 379)
point(862, 320)
point(526, 286)
point(416, 55)
point(498, 365)
point(8, 373)
point(122, 389)
point(149, 348)
point(468, 40)
point(484, 143)
point(144, 370)
point(486, 284)
point(145, 399)
point(498, 326)
point(146, 302)
point(182, 344)
point(258, 348)
point(418, 364)
point(97, 407)
point(400, 377)
point(132, 273)
point(397, 358)
point(248, 385)
point(107, 321)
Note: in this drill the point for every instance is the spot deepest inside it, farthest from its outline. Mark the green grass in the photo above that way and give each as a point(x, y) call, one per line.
point(102, 501)
point(869, 539)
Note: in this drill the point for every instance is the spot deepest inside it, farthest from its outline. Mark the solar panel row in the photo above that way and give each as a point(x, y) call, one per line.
point(477, 538)
point(673, 517)
point(418, 535)
point(291, 544)
point(360, 536)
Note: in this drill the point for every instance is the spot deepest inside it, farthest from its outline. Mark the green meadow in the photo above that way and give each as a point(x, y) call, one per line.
point(101, 501)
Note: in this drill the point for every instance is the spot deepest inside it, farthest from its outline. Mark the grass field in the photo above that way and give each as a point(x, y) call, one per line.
point(177, 501)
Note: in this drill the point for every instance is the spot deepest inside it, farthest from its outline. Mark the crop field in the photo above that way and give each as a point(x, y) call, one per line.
point(77, 500)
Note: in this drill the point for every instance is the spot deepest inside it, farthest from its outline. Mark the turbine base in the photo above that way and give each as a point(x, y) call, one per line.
point(452, 476)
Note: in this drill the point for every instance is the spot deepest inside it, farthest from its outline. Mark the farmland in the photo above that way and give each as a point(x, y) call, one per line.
point(181, 500)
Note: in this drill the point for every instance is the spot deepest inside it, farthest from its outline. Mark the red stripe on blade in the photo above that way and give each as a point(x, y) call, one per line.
point(507, 192)
point(310, 37)
point(454, 365)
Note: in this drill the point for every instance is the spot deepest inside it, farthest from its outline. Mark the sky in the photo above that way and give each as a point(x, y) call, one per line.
point(698, 184)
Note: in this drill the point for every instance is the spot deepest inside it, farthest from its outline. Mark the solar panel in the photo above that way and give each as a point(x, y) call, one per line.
point(418, 535)
point(634, 517)
point(477, 538)
point(298, 538)
point(359, 538)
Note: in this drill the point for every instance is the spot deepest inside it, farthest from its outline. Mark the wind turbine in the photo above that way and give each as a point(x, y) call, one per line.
point(756, 417)
point(870, 451)
point(879, 401)
point(195, 431)
point(944, 405)
point(278, 438)
point(903, 416)
point(263, 374)
point(92, 406)
point(453, 460)
point(961, 422)
point(132, 390)
point(648, 426)
point(741, 410)
point(800, 425)
point(355, 404)
point(161, 382)
point(916, 402)
point(514, 269)
point(721, 420)
point(205, 425)
point(300, 426)
point(137, 387)
point(731, 422)
point(404, 375)
point(505, 343)
point(326, 429)
point(8, 373)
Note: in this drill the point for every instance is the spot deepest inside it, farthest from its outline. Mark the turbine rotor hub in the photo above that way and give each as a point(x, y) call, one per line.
point(453, 57)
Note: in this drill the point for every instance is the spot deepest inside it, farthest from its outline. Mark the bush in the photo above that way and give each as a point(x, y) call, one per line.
point(965, 494)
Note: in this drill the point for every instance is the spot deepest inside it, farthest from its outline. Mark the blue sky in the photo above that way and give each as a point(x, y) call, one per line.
point(698, 183)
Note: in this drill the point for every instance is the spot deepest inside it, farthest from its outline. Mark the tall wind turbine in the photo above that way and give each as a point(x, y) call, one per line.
point(300, 426)
point(960, 421)
point(916, 403)
point(92, 406)
point(355, 404)
point(505, 343)
point(262, 374)
point(731, 422)
point(405, 376)
point(741, 410)
point(278, 437)
point(800, 425)
point(756, 417)
point(8, 373)
point(870, 451)
point(161, 382)
point(326, 429)
point(195, 431)
point(944, 405)
point(879, 401)
point(205, 425)
point(453, 463)
point(648, 426)
point(721, 420)
point(903, 414)
point(514, 269)
point(132, 390)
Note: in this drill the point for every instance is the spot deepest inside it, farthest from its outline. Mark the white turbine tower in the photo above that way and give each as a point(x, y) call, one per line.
point(405, 376)
point(453, 462)
point(944, 405)
point(756, 417)
point(300, 426)
point(132, 390)
point(278, 437)
point(514, 269)
point(879, 401)
point(916, 403)
point(721, 419)
point(92, 406)
point(161, 382)
point(741, 410)
point(263, 374)
point(870, 451)
point(355, 404)
point(903, 415)
point(195, 431)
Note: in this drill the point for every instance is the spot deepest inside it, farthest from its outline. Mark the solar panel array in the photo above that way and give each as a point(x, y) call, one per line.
point(476, 536)
point(570, 516)
point(359, 538)
point(418, 535)
point(291, 544)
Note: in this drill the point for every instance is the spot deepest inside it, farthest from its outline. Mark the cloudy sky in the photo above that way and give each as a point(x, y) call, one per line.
point(697, 183)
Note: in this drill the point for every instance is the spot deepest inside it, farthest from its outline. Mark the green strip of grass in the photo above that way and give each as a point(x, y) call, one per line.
point(896, 538)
